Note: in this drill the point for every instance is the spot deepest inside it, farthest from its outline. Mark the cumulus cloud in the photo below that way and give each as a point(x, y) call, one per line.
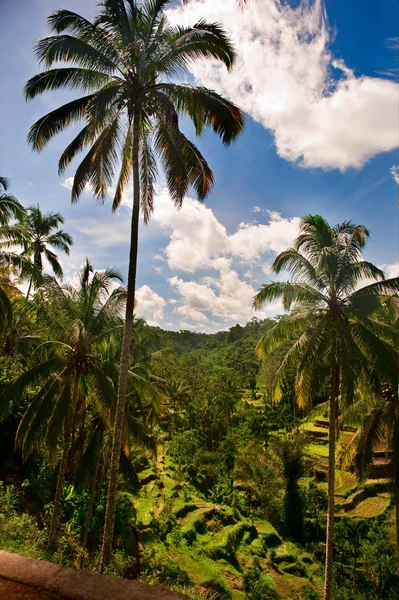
point(224, 298)
point(390, 270)
point(150, 305)
point(197, 240)
point(395, 173)
point(321, 114)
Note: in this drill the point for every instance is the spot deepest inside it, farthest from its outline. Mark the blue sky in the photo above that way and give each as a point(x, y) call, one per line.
point(318, 82)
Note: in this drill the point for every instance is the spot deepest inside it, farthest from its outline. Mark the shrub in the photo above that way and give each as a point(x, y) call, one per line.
point(258, 586)
point(20, 533)
point(218, 587)
point(309, 593)
point(161, 570)
point(120, 564)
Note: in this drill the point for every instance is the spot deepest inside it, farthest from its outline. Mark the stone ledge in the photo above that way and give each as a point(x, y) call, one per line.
point(73, 584)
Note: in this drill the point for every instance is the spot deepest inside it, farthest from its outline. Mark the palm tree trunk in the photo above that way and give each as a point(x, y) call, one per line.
point(125, 358)
point(92, 494)
point(29, 288)
point(328, 573)
point(63, 465)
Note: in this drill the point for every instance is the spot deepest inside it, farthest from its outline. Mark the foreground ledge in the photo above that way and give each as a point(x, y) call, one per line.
point(73, 584)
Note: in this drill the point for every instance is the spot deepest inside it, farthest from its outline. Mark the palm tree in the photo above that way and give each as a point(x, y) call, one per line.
point(40, 233)
point(9, 208)
point(337, 336)
point(178, 395)
point(125, 61)
point(77, 322)
point(8, 290)
point(377, 421)
point(9, 205)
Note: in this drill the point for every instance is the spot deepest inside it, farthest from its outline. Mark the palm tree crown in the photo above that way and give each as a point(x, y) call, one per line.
point(126, 59)
point(327, 267)
point(9, 205)
point(39, 232)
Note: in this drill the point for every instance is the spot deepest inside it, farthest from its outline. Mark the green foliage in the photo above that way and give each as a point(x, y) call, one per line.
point(18, 532)
point(365, 564)
point(314, 500)
point(259, 586)
point(218, 588)
point(309, 593)
point(161, 570)
point(120, 564)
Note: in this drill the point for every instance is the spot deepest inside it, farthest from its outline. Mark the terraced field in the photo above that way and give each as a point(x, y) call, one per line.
point(352, 499)
point(213, 545)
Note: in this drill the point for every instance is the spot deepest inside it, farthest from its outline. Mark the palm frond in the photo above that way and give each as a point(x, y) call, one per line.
point(65, 77)
point(290, 293)
point(206, 108)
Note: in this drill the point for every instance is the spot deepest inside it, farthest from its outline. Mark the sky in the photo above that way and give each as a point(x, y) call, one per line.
point(318, 82)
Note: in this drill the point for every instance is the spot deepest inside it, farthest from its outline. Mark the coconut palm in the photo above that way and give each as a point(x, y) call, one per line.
point(9, 208)
point(41, 234)
point(77, 321)
point(177, 395)
point(337, 336)
point(377, 422)
point(9, 205)
point(127, 62)
point(8, 290)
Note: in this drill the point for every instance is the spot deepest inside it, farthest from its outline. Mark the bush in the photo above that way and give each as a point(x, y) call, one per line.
point(309, 593)
point(218, 587)
point(258, 586)
point(120, 564)
point(161, 570)
point(18, 533)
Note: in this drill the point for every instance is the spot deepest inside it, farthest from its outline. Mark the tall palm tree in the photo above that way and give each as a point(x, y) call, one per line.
point(40, 233)
point(126, 61)
point(338, 336)
point(9, 205)
point(76, 321)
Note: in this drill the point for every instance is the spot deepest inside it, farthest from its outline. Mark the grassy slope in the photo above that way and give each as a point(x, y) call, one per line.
point(352, 499)
point(217, 542)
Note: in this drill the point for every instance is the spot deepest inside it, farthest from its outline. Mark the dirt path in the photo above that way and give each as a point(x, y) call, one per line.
point(9, 590)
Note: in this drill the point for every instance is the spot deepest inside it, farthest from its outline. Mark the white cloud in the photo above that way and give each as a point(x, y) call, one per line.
point(286, 78)
point(199, 241)
point(104, 233)
point(150, 305)
point(67, 183)
point(225, 297)
point(395, 173)
point(390, 270)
